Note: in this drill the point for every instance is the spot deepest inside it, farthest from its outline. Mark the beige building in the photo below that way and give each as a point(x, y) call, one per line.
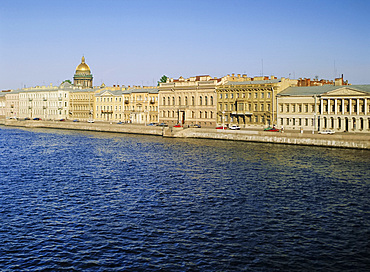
point(141, 105)
point(82, 103)
point(2, 105)
point(249, 102)
point(189, 101)
point(339, 108)
point(108, 105)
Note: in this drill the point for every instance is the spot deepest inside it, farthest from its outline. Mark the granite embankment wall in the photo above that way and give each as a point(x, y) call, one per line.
point(340, 140)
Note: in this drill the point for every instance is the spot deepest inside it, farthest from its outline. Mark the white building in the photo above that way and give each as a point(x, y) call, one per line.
point(340, 108)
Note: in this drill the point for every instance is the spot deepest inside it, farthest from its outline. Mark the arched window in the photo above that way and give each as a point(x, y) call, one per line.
point(211, 100)
point(192, 100)
point(206, 101)
point(200, 101)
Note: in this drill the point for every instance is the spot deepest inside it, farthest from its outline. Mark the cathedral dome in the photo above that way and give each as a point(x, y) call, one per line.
point(83, 68)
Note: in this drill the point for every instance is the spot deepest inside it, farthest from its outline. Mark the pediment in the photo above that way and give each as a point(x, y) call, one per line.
point(107, 93)
point(345, 92)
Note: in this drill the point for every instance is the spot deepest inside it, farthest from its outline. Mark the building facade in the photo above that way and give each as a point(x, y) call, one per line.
point(108, 105)
point(249, 102)
point(339, 108)
point(45, 102)
point(189, 101)
point(141, 105)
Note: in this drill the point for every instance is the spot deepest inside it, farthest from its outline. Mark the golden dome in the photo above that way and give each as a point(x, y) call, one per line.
point(83, 68)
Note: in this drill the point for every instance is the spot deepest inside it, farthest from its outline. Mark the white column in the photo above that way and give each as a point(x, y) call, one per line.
point(358, 106)
point(336, 106)
point(365, 104)
point(350, 106)
point(322, 106)
point(343, 106)
point(328, 106)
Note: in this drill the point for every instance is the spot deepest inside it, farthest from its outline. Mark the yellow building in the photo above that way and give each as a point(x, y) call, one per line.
point(189, 101)
point(81, 103)
point(108, 104)
point(249, 102)
point(141, 105)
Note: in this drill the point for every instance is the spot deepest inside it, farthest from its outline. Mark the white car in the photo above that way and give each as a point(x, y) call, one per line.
point(90, 121)
point(234, 127)
point(327, 131)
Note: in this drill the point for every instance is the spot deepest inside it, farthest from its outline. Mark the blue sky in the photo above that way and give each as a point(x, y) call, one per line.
point(133, 42)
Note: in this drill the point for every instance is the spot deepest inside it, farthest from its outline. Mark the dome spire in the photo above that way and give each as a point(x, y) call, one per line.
point(83, 59)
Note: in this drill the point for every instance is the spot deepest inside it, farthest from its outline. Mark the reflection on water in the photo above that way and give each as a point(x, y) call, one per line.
point(80, 201)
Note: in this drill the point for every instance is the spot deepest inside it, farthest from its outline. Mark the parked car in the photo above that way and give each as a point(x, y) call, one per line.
point(119, 123)
point(27, 118)
point(221, 127)
point(272, 129)
point(327, 131)
point(90, 121)
point(37, 119)
point(163, 125)
point(197, 126)
point(76, 120)
point(177, 126)
point(234, 127)
point(62, 120)
point(152, 124)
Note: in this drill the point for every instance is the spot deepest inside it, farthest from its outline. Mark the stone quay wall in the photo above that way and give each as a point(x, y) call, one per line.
point(339, 140)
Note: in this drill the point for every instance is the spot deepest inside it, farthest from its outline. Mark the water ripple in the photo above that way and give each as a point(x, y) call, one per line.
point(74, 201)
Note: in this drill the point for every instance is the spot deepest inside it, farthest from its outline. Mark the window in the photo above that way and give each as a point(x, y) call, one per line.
point(268, 95)
point(193, 100)
point(262, 107)
point(200, 100)
point(220, 95)
point(186, 100)
point(206, 100)
point(173, 101)
point(255, 107)
point(179, 100)
point(226, 96)
point(262, 95)
point(211, 100)
point(255, 95)
point(164, 101)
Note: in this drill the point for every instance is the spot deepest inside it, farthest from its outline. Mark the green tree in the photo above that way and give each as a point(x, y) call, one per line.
point(163, 79)
point(67, 80)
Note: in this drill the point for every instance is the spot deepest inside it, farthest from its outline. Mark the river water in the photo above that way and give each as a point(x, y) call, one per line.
point(81, 201)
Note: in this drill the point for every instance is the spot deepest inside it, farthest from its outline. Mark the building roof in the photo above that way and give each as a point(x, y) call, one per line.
point(318, 90)
point(252, 82)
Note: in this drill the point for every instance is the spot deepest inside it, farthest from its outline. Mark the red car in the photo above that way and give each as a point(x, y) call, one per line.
point(273, 129)
point(178, 125)
point(221, 127)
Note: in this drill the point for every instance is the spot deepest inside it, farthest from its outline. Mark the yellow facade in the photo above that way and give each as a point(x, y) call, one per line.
point(249, 102)
point(81, 104)
point(141, 105)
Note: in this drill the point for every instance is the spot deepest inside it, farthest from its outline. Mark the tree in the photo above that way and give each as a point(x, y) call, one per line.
point(163, 79)
point(67, 80)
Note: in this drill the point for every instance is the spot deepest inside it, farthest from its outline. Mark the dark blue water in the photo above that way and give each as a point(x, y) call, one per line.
point(75, 201)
